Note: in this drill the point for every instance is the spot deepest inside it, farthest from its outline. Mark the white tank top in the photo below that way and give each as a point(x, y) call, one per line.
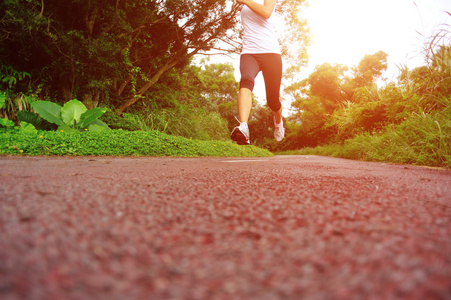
point(259, 33)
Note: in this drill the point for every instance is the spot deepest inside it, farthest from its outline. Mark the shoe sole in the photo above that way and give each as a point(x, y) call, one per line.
point(239, 137)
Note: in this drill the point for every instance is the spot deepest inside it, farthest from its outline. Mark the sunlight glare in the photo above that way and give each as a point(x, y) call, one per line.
point(345, 31)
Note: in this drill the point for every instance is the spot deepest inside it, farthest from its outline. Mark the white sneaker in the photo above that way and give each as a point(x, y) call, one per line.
point(240, 134)
point(279, 132)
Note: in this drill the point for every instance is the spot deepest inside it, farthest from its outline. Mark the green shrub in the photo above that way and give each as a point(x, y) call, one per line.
point(423, 139)
point(118, 143)
point(73, 116)
point(32, 118)
point(126, 121)
point(186, 121)
point(6, 123)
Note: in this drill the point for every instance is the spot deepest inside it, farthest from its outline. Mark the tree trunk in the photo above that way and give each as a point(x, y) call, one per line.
point(124, 84)
point(133, 99)
point(90, 20)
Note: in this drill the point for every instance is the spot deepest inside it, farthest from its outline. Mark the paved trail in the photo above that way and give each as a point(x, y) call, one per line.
point(286, 227)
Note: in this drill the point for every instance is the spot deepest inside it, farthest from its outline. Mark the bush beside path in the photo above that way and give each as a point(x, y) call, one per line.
point(282, 227)
point(119, 143)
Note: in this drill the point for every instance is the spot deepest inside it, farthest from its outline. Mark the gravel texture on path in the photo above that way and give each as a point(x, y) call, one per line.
point(285, 227)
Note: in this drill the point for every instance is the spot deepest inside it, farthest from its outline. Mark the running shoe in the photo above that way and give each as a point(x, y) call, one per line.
point(240, 134)
point(279, 131)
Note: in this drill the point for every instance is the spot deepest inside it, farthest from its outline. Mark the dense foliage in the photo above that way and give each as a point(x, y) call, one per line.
point(96, 49)
point(114, 52)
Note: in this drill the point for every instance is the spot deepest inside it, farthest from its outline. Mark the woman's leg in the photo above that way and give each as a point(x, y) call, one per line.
point(278, 116)
point(271, 65)
point(249, 69)
point(244, 104)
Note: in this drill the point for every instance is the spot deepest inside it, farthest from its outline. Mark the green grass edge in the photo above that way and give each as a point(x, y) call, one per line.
point(119, 143)
point(394, 155)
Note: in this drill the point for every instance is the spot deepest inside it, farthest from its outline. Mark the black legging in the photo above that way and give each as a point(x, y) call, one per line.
point(271, 66)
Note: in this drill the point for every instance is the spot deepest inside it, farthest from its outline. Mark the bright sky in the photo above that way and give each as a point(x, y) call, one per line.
point(344, 31)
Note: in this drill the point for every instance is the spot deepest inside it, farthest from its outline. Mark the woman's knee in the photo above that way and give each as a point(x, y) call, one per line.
point(275, 105)
point(247, 82)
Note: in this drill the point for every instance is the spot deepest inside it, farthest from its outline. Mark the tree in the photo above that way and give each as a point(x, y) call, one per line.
point(293, 33)
point(191, 27)
point(369, 68)
point(97, 49)
point(326, 85)
point(124, 45)
point(220, 87)
point(320, 98)
point(219, 83)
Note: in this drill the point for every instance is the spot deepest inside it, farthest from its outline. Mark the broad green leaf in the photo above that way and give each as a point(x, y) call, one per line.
point(27, 128)
point(97, 128)
point(6, 123)
point(90, 116)
point(101, 123)
point(66, 128)
point(71, 112)
point(48, 111)
point(32, 118)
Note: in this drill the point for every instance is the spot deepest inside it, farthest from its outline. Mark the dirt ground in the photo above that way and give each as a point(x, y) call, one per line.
point(285, 227)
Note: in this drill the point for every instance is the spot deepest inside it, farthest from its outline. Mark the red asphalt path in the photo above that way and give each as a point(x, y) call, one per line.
point(285, 227)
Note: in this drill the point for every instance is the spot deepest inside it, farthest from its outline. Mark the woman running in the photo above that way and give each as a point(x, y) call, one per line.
point(260, 52)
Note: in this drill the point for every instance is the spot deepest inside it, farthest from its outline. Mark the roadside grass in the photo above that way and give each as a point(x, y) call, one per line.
point(423, 139)
point(119, 143)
